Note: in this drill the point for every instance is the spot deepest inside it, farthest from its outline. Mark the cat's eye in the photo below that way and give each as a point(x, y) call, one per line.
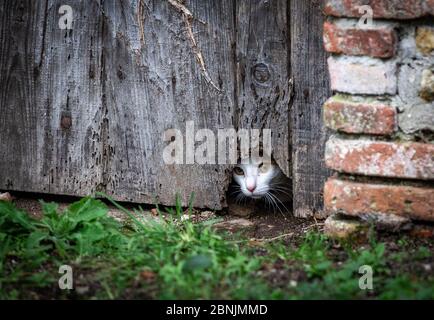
point(238, 171)
point(263, 168)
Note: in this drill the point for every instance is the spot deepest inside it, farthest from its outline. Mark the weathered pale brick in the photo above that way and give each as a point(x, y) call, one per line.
point(427, 85)
point(346, 38)
point(359, 116)
point(338, 227)
point(425, 39)
point(365, 199)
point(362, 75)
point(417, 118)
point(389, 9)
point(380, 158)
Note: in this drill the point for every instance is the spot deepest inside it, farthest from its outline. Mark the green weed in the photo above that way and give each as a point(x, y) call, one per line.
point(167, 257)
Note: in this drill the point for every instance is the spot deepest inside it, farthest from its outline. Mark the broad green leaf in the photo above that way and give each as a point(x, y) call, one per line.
point(87, 209)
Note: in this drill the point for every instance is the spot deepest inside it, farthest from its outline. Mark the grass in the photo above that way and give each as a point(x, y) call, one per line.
point(171, 258)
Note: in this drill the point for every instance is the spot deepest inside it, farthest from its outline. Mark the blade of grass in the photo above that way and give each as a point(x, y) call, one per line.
point(124, 210)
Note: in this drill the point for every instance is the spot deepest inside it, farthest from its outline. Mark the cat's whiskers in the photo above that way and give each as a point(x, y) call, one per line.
point(272, 186)
point(269, 202)
point(282, 191)
point(261, 189)
point(273, 202)
point(238, 197)
point(235, 192)
point(241, 198)
point(277, 199)
point(283, 186)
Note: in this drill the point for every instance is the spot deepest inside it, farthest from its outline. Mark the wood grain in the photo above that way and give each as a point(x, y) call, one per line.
point(263, 79)
point(311, 89)
point(50, 109)
point(154, 84)
point(84, 110)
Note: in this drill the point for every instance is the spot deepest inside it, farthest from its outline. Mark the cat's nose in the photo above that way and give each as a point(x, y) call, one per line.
point(250, 184)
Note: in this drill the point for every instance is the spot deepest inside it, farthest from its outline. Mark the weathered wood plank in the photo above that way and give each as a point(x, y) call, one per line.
point(49, 102)
point(85, 110)
point(263, 87)
point(154, 83)
point(311, 89)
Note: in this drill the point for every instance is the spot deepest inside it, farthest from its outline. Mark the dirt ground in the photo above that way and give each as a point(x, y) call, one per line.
point(260, 226)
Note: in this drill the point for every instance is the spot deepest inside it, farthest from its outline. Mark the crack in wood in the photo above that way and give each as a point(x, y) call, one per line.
point(188, 17)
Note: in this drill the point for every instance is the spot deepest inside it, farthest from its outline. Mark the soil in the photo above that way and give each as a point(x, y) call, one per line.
point(264, 226)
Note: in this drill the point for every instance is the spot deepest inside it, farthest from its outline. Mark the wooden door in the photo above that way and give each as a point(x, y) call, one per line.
point(85, 109)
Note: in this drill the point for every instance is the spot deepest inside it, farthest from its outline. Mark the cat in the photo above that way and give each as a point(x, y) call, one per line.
point(259, 179)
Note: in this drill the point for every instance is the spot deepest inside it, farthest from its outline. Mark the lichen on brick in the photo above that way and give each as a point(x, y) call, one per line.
point(427, 85)
point(345, 36)
point(379, 158)
point(352, 114)
point(391, 201)
point(425, 39)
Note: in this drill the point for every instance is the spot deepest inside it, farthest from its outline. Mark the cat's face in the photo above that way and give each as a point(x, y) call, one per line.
point(255, 177)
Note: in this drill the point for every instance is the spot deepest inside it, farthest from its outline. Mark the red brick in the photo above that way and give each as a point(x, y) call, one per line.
point(389, 9)
point(358, 199)
point(379, 42)
point(379, 158)
point(367, 117)
point(422, 231)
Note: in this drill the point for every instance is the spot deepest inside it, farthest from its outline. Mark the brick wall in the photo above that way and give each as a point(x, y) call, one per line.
point(381, 115)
